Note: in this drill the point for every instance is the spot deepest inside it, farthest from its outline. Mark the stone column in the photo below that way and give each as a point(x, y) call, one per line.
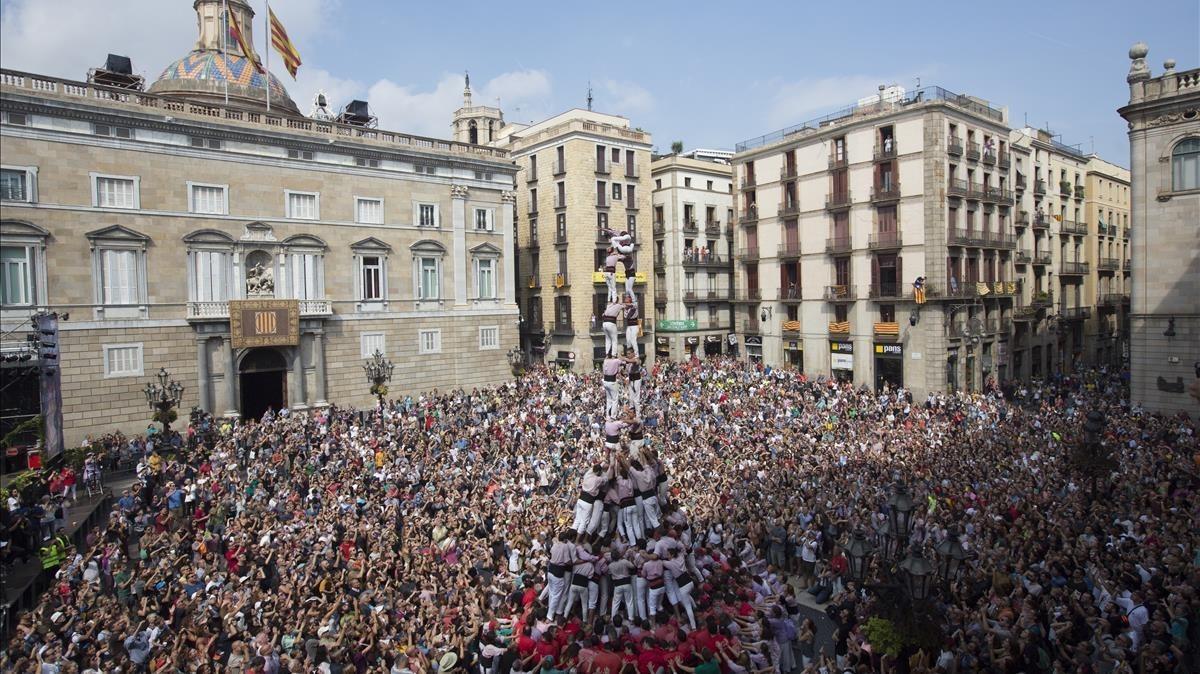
point(458, 216)
point(318, 356)
point(508, 202)
point(202, 374)
point(231, 402)
point(299, 399)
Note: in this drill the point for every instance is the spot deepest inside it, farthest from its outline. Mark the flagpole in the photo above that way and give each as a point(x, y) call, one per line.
point(267, 36)
point(225, 45)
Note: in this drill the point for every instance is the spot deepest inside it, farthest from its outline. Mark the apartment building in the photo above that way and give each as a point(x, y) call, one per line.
point(838, 216)
point(258, 256)
point(580, 173)
point(693, 262)
point(1054, 247)
point(1106, 204)
point(1164, 148)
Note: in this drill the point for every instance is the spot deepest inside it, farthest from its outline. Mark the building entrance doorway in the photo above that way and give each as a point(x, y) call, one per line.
point(262, 378)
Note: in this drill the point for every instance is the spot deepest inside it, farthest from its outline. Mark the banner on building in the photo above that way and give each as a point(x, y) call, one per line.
point(264, 323)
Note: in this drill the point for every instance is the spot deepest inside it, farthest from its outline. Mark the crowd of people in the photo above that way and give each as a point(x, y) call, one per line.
point(520, 529)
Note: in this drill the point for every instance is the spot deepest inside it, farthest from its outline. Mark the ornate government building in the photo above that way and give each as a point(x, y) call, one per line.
point(258, 255)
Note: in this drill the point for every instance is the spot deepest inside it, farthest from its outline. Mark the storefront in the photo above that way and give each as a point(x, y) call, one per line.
point(690, 345)
point(712, 345)
point(793, 354)
point(754, 348)
point(565, 359)
point(889, 365)
point(733, 344)
point(841, 360)
point(662, 347)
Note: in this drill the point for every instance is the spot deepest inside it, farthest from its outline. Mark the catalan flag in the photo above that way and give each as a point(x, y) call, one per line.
point(283, 45)
point(235, 29)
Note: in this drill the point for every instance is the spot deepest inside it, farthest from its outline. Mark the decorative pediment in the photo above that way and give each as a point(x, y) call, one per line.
point(22, 228)
point(258, 231)
point(210, 237)
point(371, 244)
point(485, 250)
point(117, 233)
point(304, 241)
point(428, 246)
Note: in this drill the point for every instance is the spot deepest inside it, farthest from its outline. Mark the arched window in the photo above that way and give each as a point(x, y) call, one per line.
point(1185, 165)
point(473, 133)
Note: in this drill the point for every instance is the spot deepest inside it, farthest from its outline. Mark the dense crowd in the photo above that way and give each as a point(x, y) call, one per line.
point(519, 530)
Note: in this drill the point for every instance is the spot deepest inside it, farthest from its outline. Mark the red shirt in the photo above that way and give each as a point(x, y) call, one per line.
point(648, 661)
point(544, 648)
point(525, 646)
point(702, 639)
point(596, 661)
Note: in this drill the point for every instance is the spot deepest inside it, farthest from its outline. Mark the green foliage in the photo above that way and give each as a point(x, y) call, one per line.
point(883, 636)
point(677, 147)
point(165, 416)
point(31, 425)
point(379, 390)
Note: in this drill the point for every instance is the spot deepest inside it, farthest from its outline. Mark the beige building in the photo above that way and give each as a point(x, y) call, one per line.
point(1054, 247)
point(580, 172)
point(838, 216)
point(693, 260)
point(1164, 149)
point(1107, 205)
point(152, 217)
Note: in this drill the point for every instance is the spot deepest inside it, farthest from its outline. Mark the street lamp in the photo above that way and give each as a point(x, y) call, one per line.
point(951, 554)
point(859, 552)
point(163, 397)
point(900, 510)
point(916, 574)
point(379, 373)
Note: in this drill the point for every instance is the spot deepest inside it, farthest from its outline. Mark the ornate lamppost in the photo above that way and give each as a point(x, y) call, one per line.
point(379, 373)
point(516, 361)
point(163, 397)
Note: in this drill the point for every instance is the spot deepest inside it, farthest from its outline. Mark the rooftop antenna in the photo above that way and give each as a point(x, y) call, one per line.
point(1092, 141)
point(918, 82)
point(589, 98)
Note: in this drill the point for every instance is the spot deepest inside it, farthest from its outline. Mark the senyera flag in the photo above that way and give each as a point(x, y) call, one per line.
point(283, 45)
point(236, 29)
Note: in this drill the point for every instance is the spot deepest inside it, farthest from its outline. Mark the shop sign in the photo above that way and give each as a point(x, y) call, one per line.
point(894, 350)
point(841, 347)
point(753, 340)
point(841, 361)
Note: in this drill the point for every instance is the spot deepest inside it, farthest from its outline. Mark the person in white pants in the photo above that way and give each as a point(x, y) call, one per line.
point(608, 323)
point(583, 583)
point(640, 586)
point(589, 506)
point(633, 379)
point(620, 571)
point(622, 243)
point(631, 518)
point(631, 315)
point(646, 494)
point(562, 558)
point(653, 572)
point(610, 274)
point(682, 584)
point(610, 369)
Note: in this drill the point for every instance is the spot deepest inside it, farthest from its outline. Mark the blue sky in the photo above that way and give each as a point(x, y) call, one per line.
point(709, 74)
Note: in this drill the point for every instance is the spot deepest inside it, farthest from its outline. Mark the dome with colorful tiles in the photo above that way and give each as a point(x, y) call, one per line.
point(202, 75)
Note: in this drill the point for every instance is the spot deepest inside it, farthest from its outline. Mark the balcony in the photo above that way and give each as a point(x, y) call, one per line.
point(886, 291)
point(533, 282)
point(1108, 264)
point(989, 157)
point(975, 191)
point(839, 293)
point(660, 264)
point(1075, 313)
point(1113, 299)
point(560, 167)
point(748, 182)
point(887, 330)
point(691, 296)
point(839, 328)
point(1022, 257)
point(1002, 241)
point(1125, 234)
point(1073, 269)
point(1024, 314)
point(215, 311)
point(1022, 219)
point(1006, 326)
point(884, 240)
point(1041, 222)
point(712, 228)
point(692, 258)
point(885, 152)
point(966, 237)
point(954, 146)
point(749, 216)
point(956, 329)
point(788, 209)
point(1005, 161)
point(748, 254)
point(660, 296)
point(957, 188)
point(838, 162)
point(1064, 188)
point(562, 281)
point(1004, 288)
point(1039, 187)
point(560, 238)
point(789, 250)
point(787, 172)
point(792, 295)
point(973, 151)
point(1074, 227)
point(1019, 182)
point(1042, 298)
point(835, 201)
point(690, 226)
point(560, 201)
point(715, 295)
point(660, 229)
point(751, 326)
point(838, 244)
point(885, 192)
point(998, 195)
point(1080, 191)
point(562, 330)
point(1126, 266)
point(531, 176)
point(603, 167)
point(748, 296)
point(1042, 259)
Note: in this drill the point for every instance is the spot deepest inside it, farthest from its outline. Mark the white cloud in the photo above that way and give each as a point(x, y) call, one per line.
point(794, 102)
point(623, 98)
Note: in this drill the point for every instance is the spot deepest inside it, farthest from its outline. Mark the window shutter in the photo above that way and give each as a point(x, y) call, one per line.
point(899, 272)
point(874, 270)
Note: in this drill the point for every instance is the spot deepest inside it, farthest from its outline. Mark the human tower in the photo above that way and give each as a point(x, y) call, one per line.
point(627, 548)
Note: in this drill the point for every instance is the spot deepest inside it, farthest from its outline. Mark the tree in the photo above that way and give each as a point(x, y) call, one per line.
point(677, 147)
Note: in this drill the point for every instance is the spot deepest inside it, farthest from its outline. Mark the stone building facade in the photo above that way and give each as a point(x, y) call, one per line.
point(150, 217)
point(1164, 149)
point(693, 256)
point(579, 173)
point(1107, 204)
point(838, 216)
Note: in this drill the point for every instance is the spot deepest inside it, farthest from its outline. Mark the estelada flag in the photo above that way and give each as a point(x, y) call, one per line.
point(236, 29)
point(283, 45)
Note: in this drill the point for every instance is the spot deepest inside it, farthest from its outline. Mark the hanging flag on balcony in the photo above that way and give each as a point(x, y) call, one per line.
point(791, 326)
point(1057, 217)
point(982, 288)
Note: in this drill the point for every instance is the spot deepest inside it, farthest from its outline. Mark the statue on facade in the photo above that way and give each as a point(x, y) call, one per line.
point(260, 280)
